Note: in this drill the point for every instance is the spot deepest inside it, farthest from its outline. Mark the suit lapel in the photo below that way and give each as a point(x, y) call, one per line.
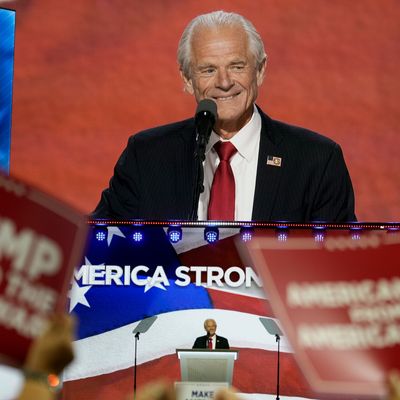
point(184, 173)
point(268, 176)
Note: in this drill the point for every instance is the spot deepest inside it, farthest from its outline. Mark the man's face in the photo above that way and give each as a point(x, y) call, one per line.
point(210, 327)
point(224, 70)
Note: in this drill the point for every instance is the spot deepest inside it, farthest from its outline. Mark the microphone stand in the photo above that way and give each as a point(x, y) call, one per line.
point(134, 376)
point(199, 157)
point(206, 115)
point(142, 327)
point(278, 339)
point(273, 329)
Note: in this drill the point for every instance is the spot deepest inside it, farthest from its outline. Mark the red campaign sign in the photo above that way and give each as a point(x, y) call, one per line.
point(41, 241)
point(338, 299)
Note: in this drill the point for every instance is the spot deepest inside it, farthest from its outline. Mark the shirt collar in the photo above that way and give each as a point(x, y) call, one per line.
point(245, 140)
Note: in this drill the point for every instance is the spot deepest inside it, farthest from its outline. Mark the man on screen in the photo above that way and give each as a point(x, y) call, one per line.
point(211, 340)
point(269, 170)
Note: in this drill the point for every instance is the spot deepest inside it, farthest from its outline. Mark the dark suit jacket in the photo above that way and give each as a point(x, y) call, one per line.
point(202, 343)
point(154, 177)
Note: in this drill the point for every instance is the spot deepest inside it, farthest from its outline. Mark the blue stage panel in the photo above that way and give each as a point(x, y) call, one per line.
point(7, 42)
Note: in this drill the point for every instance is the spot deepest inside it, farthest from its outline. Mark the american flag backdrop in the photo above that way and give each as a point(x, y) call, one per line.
point(122, 282)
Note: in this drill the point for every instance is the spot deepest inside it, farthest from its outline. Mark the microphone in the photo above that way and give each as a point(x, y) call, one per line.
point(206, 115)
point(204, 119)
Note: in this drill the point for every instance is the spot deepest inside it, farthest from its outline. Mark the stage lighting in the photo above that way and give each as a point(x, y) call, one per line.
point(100, 236)
point(174, 234)
point(393, 229)
point(319, 236)
point(100, 233)
point(282, 236)
point(319, 233)
point(246, 234)
point(211, 234)
point(282, 233)
point(137, 236)
point(355, 233)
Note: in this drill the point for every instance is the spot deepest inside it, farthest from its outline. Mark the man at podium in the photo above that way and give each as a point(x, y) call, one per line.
point(211, 340)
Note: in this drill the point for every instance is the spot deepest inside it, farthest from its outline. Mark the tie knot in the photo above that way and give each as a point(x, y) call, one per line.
point(225, 150)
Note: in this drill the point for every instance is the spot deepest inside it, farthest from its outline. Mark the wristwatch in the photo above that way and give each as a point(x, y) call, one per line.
point(52, 381)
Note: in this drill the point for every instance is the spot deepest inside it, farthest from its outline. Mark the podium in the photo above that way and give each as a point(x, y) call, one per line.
point(203, 365)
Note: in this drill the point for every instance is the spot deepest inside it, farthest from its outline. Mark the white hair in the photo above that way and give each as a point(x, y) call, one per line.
point(209, 320)
point(216, 19)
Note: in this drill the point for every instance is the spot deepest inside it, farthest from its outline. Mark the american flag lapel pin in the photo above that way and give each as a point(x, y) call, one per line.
point(274, 161)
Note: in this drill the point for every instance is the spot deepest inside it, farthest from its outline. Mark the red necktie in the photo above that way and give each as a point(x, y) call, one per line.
point(210, 343)
point(222, 195)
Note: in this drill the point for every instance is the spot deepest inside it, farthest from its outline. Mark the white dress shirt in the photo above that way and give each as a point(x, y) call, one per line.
point(244, 167)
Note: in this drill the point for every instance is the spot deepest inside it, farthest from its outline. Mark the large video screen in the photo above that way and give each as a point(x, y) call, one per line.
point(90, 75)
